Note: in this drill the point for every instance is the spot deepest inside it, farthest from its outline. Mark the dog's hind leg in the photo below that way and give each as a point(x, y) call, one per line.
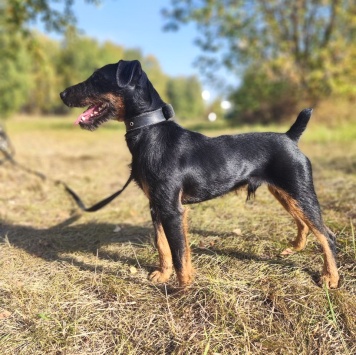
point(301, 240)
point(165, 256)
point(327, 240)
point(306, 211)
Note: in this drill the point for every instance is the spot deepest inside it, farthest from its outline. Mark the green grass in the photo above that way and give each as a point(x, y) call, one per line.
point(70, 284)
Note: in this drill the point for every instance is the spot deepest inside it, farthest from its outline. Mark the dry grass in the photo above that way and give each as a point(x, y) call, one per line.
point(70, 284)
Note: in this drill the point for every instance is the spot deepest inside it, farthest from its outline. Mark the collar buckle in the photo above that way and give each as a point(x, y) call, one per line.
point(149, 118)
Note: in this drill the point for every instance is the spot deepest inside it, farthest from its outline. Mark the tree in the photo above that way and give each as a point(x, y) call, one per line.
point(15, 71)
point(263, 97)
point(304, 42)
point(184, 93)
point(79, 57)
point(45, 81)
point(34, 68)
point(110, 53)
point(19, 49)
point(56, 15)
point(159, 80)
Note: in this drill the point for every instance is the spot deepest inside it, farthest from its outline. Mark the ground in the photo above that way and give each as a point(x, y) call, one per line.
point(76, 283)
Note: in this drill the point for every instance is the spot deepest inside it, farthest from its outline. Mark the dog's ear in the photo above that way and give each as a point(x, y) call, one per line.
point(128, 73)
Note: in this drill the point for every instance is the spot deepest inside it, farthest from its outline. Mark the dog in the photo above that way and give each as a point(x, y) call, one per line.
point(174, 166)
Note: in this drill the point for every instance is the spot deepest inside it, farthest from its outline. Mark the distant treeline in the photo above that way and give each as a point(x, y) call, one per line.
point(34, 69)
point(284, 54)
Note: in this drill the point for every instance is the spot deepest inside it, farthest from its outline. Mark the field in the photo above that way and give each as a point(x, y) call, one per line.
point(76, 283)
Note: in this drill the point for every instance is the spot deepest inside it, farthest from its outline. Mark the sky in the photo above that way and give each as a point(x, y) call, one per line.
point(139, 24)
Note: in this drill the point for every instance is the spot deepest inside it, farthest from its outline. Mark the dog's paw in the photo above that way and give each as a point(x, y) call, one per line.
point(330, 281)
point(158, 276)
point(185, 279)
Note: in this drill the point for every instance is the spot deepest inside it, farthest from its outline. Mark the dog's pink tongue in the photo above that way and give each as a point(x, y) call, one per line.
point(85, 115)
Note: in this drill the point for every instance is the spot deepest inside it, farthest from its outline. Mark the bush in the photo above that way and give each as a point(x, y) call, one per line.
point(263, 99)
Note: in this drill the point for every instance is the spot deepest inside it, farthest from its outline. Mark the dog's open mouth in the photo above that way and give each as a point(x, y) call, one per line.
point(94, 116)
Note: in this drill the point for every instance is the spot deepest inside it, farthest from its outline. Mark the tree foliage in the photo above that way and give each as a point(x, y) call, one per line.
point(35, 68)
point(31, 80)
point(14, 70)
point(56, 15)
point(308, 44)
point(185, 95)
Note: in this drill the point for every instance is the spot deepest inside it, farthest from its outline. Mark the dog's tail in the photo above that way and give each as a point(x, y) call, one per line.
point(299, 125)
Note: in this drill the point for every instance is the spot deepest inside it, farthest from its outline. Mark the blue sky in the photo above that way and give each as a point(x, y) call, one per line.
point(138, 24)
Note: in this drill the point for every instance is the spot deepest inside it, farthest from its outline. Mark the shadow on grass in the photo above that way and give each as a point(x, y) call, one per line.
point(51, 243)
point(277, 260)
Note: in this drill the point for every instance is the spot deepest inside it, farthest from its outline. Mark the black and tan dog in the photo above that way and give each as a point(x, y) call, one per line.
point(174, 166)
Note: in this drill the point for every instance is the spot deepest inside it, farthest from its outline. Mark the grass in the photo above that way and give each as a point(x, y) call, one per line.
point(353, 238)
point(74, 283)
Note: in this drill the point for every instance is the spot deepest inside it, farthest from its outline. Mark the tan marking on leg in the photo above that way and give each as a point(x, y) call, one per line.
point(165, 257)
point(301, 240)
point(185, 276)
point(291, 206)
point(330, 274)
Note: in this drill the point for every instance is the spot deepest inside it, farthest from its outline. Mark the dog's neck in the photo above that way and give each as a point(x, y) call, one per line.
point(149, 118)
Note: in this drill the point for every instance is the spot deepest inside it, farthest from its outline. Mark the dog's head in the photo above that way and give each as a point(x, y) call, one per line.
point(116, 91)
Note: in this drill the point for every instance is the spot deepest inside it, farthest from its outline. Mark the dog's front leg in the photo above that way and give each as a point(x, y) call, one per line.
point(175, 228)
point(165, 256)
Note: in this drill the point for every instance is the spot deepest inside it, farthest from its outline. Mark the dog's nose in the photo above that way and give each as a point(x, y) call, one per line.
point(63, 94)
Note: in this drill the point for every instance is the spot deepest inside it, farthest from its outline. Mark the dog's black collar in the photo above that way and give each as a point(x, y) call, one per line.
point(149, 118)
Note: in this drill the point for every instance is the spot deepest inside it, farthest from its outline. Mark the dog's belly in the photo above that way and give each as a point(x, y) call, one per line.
point(199, 191)
point(201, 197)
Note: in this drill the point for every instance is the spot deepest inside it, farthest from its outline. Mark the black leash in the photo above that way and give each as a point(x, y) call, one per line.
point(146, 119)
point(8, 151)
point(98, 205)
